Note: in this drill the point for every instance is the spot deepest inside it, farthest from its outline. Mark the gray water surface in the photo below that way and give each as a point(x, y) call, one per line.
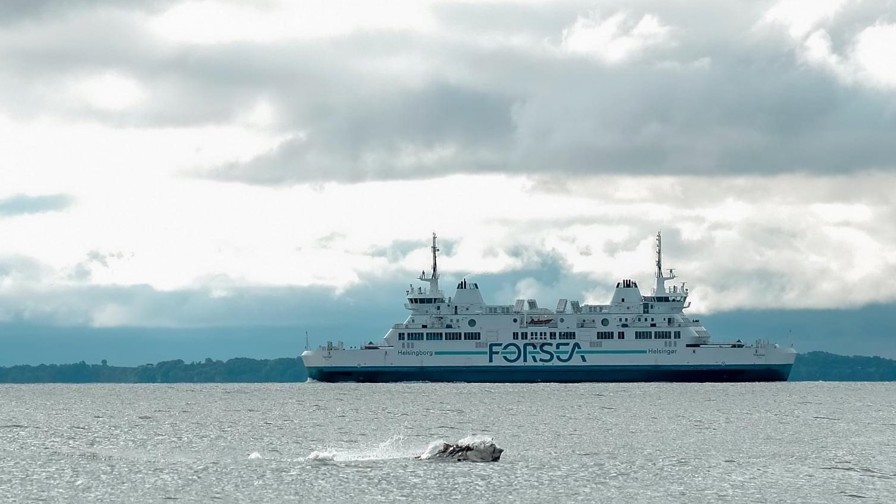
point(315, 442)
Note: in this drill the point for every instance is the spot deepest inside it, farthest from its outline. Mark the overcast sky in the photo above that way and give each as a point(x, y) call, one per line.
point(206, 163)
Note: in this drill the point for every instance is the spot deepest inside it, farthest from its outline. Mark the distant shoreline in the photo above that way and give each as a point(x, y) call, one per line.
point(811, 366)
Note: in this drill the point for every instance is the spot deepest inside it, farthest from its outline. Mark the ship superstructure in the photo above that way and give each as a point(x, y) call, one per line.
point(634, 337)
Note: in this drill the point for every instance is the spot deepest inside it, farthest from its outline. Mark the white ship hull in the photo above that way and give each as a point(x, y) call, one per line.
point(633, 338)
point(542, 362)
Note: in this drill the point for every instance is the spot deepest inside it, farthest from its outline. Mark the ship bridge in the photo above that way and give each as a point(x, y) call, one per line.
point(674, 297)
point(419, 298)
point(431, 300)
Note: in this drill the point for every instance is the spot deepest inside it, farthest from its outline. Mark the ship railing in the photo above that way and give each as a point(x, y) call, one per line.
point(435, 325)
point(716, 345)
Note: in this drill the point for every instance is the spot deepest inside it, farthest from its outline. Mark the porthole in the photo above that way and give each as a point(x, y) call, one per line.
point(605, 322)
point(471, 323)
point(514, 321)
point(561, 320)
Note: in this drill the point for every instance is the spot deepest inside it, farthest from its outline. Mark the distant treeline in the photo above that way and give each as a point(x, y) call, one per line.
point(812, 366)
point(177, 371)
point(823, 366)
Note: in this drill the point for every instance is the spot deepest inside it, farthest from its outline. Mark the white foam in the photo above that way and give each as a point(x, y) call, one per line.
point(254, 456)
point(392, 448)
point(432, 449)
point(322, 456)
point(475, 439)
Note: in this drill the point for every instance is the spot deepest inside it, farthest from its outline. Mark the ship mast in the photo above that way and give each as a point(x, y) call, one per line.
point(435, 249)
point(660, 278)
point(434, 279)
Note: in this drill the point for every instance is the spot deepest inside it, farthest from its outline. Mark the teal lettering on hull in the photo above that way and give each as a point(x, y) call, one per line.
point(534, 352)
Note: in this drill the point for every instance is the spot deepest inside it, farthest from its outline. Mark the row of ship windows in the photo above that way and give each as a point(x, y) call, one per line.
point(426, 300)
point(601, 335)
point(657, 334)
point(524, 335)
point(438, 336)
point(600, 344)
point(535, 335)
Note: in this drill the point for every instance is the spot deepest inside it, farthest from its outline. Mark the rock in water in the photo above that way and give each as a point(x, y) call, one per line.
point(479, 451)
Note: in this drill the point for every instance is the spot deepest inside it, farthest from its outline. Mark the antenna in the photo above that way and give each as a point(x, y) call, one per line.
point(307, 347)
point(435, 249)
point(434, 279)
point(660, 278)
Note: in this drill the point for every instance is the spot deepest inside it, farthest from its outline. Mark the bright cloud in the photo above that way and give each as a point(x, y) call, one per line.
point(109, 91)
point(875, 54)
point(865, 57)
point(615, 38)
point(802, 17)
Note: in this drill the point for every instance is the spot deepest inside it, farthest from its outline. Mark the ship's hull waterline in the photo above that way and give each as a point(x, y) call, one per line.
point(553, 374)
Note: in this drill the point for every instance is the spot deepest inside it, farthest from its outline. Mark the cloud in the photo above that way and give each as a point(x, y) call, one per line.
point(431, 132)
point(850, 40)
point(24, 11)
point(217, 22)
point(83, 272)
point(616, 38)
point(875, 52)
point(482, 88)
point(18, 271)
point(23, 204)
point(801, 18)
point(794, 241)
point(109, 91)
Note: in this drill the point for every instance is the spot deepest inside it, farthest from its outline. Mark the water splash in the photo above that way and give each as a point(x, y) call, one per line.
point(323, 456)
point(432, 449)
point(392, 448)
point(476, 439)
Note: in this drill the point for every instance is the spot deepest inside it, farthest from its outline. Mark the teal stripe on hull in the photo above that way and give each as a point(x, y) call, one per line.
point(509, 352)
point(557, 374)
point(612, 351)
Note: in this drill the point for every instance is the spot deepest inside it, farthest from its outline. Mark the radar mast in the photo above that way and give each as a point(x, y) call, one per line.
point(434, 279)
point(660, 278)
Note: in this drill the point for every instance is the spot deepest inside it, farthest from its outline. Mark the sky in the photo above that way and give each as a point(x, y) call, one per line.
point(182, 179)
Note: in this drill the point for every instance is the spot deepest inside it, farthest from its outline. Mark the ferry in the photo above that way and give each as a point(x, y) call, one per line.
point(633, 338)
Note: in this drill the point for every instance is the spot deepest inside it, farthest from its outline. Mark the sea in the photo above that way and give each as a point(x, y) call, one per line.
point(355, 443)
